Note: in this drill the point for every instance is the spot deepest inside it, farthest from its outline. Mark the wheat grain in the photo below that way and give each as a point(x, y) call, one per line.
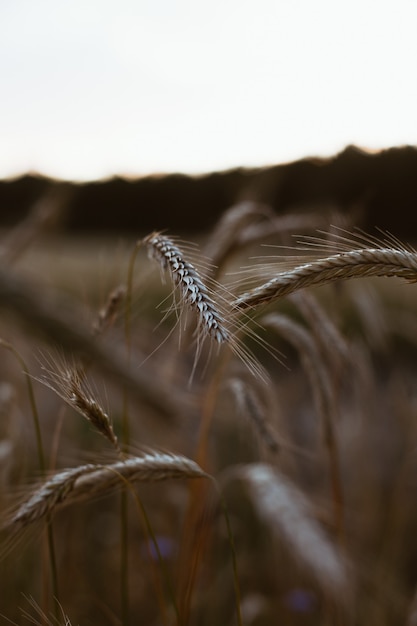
point(350, 264)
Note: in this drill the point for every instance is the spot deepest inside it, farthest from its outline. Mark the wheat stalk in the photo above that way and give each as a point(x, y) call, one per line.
point(88, 481)
point(350, 264)
point(193, 290)
point(287, 513)
point(324, 397)
point(313, 364)
point(330, 342)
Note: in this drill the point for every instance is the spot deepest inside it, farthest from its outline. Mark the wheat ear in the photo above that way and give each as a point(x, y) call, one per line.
point(287, 513)
point(193, 290)
point(88, 481)
point(351, 264)
point(69, 383)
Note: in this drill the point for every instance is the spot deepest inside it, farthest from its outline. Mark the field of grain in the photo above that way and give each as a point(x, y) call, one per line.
point(212, 431)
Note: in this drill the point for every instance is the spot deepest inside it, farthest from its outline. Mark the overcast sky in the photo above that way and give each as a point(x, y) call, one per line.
point(91, 88)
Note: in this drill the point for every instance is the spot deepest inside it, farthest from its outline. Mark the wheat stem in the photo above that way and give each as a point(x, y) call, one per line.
point(42, 465)
point(124, 547)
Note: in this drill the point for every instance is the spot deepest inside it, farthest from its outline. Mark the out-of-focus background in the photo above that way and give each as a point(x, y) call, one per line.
point(96, 90)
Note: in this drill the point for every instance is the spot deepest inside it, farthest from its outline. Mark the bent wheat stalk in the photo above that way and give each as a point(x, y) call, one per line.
point(89, 481)
point(350, 264)
point(285, 510)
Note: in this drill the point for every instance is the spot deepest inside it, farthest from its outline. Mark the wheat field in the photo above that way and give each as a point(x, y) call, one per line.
point(213, 431)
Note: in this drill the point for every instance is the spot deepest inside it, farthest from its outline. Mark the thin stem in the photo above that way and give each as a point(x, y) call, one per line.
point(42, 466)
point(194, 515)
point(124, 522)
point(230, 537)
point(324, 399)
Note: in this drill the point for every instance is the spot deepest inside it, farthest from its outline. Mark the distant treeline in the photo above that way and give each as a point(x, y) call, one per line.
point(381, 190)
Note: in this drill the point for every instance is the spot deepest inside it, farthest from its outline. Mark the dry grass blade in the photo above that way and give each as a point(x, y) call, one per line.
point(89, 481)
point(401, 263)
point(287, 514)
point(194, 293)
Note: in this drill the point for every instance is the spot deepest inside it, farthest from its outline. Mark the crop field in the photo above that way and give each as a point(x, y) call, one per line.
point(217, 431)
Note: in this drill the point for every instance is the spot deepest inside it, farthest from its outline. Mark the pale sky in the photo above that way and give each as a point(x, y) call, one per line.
point(92, 88)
